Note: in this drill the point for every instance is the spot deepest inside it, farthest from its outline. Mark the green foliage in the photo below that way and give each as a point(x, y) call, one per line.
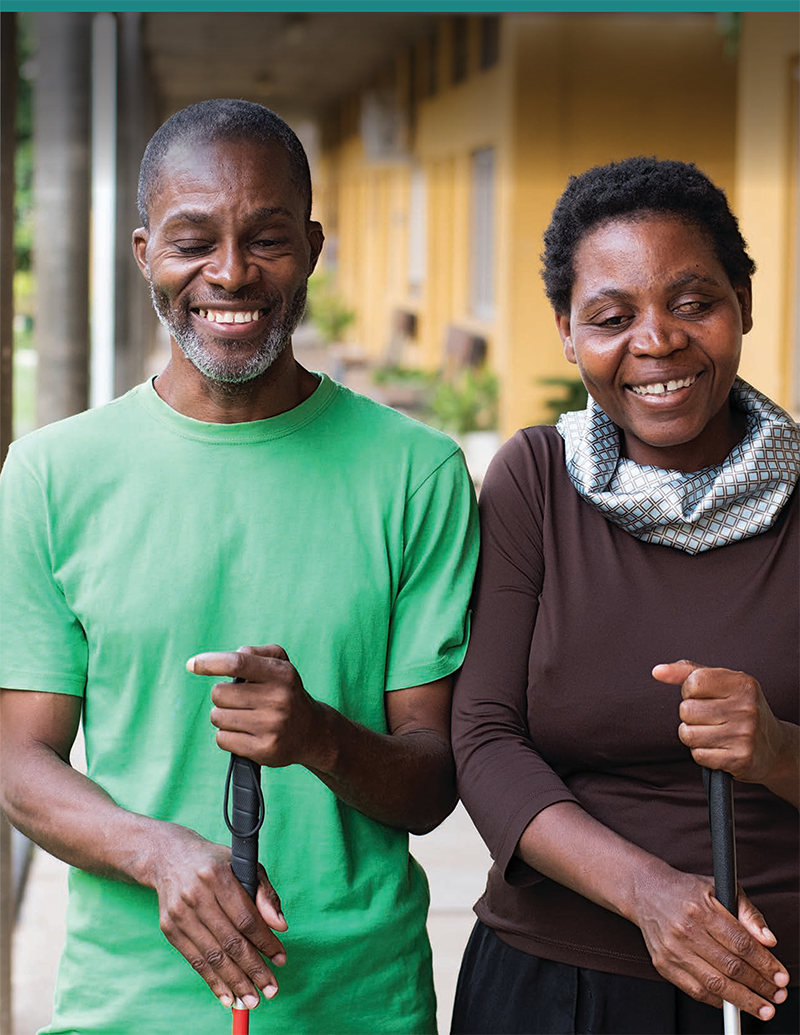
point(573, 396)
point(466, 401)
point(326, 308)
point(23, 158)
point(463, 401)
point(25, 367)
point(392, 373)
point(24, 406)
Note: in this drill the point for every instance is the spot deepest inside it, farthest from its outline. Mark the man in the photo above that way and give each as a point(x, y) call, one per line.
point(236, 499)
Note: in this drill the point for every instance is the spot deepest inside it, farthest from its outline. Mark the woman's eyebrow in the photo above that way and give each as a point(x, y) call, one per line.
point(621, 294)
point(693, 277)
point(610, 293)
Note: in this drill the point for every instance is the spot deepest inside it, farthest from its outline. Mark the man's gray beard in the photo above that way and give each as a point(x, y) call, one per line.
point(222, 369)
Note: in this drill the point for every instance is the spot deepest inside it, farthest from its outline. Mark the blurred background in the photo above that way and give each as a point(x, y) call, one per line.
point(438, 146)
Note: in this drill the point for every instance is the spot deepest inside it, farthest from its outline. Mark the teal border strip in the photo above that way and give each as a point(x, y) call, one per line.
point(419, 6)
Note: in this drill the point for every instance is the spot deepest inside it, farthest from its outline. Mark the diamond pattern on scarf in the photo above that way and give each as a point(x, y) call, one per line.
point(698, 510)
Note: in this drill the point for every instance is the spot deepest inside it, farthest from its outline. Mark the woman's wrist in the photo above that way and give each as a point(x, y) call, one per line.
point(784, 777)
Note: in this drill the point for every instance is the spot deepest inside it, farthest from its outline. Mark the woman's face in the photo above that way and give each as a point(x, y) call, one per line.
point(655, 328)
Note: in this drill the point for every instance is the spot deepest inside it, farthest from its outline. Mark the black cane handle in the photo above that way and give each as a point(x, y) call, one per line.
point(719, 789)
point(244, 815)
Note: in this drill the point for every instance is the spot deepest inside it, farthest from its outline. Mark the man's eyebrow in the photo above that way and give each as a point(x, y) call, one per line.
point(200, 217)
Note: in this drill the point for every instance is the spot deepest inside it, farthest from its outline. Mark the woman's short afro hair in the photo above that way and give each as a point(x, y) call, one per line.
point(629, 188)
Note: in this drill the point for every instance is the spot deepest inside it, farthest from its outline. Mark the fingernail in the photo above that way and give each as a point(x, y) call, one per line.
point(780, 995)
point(226, 1000)
point(781, 978)
point(766, 1012)
point(250, 1001)
point(768, 933)
point(278, 959)
point(282, 917)
point(269, 991)
point(190, 667)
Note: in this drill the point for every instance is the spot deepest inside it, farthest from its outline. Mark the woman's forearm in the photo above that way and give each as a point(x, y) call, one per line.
point(784, 779)
point(692, 940)
point(566, 844)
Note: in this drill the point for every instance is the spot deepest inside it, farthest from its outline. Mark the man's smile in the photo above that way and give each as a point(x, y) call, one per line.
point(230, 315)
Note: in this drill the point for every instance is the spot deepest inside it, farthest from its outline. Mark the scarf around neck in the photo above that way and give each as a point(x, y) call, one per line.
point(690, 511)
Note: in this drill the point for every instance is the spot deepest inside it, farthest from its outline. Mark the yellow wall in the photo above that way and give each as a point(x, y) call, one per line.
point(766, 182)
point(588, 90)
point(569, 92)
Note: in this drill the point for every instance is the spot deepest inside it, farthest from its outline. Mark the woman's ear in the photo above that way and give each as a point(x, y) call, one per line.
point(745, 297)
point(563, 325)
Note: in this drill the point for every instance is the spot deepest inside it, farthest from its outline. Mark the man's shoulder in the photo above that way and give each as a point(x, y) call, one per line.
point(388, 426)
point(92, 427)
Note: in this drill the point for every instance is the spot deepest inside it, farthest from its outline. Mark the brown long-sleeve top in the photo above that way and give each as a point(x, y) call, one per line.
point(556, 701)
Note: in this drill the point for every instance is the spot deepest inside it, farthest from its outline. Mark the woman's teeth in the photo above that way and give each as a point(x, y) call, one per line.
point(663, 387)
point(226, 316)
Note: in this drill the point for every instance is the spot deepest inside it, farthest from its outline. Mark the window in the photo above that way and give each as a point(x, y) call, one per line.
point(460, 49)
point(490, 40)
point(432, 66)
point(482, 237)
point(417, 233)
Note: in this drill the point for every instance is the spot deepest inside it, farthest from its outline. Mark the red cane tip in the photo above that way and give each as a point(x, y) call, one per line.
point(241, 1021)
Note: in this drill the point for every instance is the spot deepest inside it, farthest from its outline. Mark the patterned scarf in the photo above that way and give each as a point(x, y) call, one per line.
point(698, 510)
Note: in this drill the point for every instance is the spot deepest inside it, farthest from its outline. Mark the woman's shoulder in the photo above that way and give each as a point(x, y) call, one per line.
point(527, 487)
point(531, 458)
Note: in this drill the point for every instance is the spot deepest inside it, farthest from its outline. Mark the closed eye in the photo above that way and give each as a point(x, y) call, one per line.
point(613, 321)
point(191, 247)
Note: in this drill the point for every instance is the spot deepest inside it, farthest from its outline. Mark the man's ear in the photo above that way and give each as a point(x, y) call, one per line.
point(139, 244)
point(563, 325)
point(315, 241)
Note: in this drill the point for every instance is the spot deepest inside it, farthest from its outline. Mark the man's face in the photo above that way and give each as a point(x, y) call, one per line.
point(228, 255)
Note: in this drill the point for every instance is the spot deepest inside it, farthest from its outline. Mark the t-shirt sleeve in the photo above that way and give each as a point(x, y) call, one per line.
point(429, 625)
point(502, 780)
point(42, 643)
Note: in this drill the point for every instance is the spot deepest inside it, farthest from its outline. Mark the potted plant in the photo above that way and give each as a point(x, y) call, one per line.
point(465, 405)
point(326, 308)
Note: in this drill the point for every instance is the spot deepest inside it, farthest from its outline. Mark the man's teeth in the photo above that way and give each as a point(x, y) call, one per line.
point(664, 386)
point(226, 316)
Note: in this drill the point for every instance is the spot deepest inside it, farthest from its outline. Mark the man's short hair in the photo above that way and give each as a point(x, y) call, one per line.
point(221, 120)
point(632, 188)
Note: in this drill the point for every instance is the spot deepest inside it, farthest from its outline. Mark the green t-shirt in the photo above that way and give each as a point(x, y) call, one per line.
point(134, 537)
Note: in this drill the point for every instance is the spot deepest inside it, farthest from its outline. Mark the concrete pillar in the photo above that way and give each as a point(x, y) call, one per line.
point(8, 100)
point(8, 111)
point(136, 121)
point(62, 118)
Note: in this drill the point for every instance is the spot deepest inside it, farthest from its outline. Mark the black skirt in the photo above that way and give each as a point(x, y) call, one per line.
point(503, 991)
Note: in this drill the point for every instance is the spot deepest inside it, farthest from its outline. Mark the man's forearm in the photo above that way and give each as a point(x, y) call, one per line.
point(74, 819)
point(405, 780)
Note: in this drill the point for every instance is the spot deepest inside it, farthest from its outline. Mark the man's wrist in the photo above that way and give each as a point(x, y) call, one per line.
point(152, 843)
point(324, 746)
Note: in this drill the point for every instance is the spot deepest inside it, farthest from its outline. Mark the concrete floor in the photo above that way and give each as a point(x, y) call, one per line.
point(454, 858)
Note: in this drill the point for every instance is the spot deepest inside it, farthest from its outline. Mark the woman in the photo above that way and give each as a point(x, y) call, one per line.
point(660, 525)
